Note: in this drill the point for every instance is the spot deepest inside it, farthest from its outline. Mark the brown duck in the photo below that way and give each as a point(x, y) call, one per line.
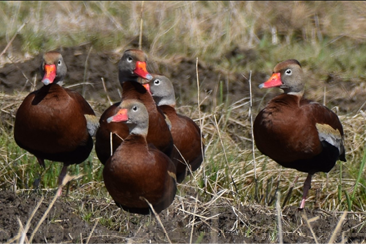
point(186, 134)
point(138, 171)
point(55, 123)
point(295, 132)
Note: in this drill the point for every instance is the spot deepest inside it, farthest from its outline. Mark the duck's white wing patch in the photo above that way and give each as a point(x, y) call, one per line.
point(172, 174)
point(168, 122)
point(92, 124)
point(330, 135)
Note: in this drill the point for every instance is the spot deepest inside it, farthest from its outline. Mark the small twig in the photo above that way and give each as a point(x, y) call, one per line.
point(111, 142)
point(158, 218)
point(197, 215)
point(12, 39)
point(337, 229)
point(31, 217)
point(200, 119)
point(106, 92)
point(311, 229)
point(325, 96)
point(289, 192)
point(251, 122)
point(141, 24)
point(95, 225)
point(21, 230)
point(187, 166)
point(85, 69)
point(194, 218)
point(279, 217)
point(65, 181)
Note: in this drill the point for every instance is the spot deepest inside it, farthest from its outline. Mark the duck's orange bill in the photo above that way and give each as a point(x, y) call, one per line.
point(147, 87)
point(141, 70)
point(119, 117)
point(273, 81)
point(50, 74)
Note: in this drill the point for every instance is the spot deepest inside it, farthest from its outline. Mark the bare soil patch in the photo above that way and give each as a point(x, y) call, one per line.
point(220, 224)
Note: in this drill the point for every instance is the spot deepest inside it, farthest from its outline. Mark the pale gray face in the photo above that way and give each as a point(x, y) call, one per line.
point(292, 76)
point(162, 90)
point(138, 117)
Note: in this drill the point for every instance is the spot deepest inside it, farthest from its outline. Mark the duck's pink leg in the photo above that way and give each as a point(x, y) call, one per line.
point(307, 186)
point(61, 178)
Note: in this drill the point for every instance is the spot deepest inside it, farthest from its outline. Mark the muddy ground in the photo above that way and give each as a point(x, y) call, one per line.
point(64, 225)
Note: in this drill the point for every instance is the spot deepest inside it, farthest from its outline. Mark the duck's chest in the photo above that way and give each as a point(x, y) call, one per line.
point(285, 130)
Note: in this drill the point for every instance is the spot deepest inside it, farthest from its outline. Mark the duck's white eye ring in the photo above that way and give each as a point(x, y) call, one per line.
point(134, 108)
point(59, 62)
point(288, 72)
point(157, 82)
point(129, 59)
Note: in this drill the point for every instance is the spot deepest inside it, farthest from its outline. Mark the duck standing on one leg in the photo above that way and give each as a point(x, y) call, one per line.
point(138, 170)
point(55, 123)
point(295, 132)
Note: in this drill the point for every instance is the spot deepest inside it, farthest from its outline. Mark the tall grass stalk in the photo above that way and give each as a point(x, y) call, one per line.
point(141, 25)
point(360, 174)
point(279, 218)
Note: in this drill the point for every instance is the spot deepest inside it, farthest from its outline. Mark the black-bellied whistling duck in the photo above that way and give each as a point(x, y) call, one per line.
point(295, 132)
point(55, 123)
point(132, 67)
point(138, 170)
point(186, 134)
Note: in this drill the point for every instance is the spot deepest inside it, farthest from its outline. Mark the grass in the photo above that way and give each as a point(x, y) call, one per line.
point(262, 33)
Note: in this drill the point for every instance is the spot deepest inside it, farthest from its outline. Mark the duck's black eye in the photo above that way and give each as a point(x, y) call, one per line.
point(129, 59)
point(134, 108)
point(288, 72)
point(59, 62)
point(157, 82)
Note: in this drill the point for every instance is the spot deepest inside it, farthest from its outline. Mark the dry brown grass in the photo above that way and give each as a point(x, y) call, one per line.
point(197, 29)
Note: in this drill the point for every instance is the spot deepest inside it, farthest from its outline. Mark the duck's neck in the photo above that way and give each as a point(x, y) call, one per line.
point(299, 94)
point(132, 85)
point(169, 101)
point(139, 129)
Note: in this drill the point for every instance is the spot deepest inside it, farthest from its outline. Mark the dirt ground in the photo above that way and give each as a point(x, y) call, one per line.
point(63, 225)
